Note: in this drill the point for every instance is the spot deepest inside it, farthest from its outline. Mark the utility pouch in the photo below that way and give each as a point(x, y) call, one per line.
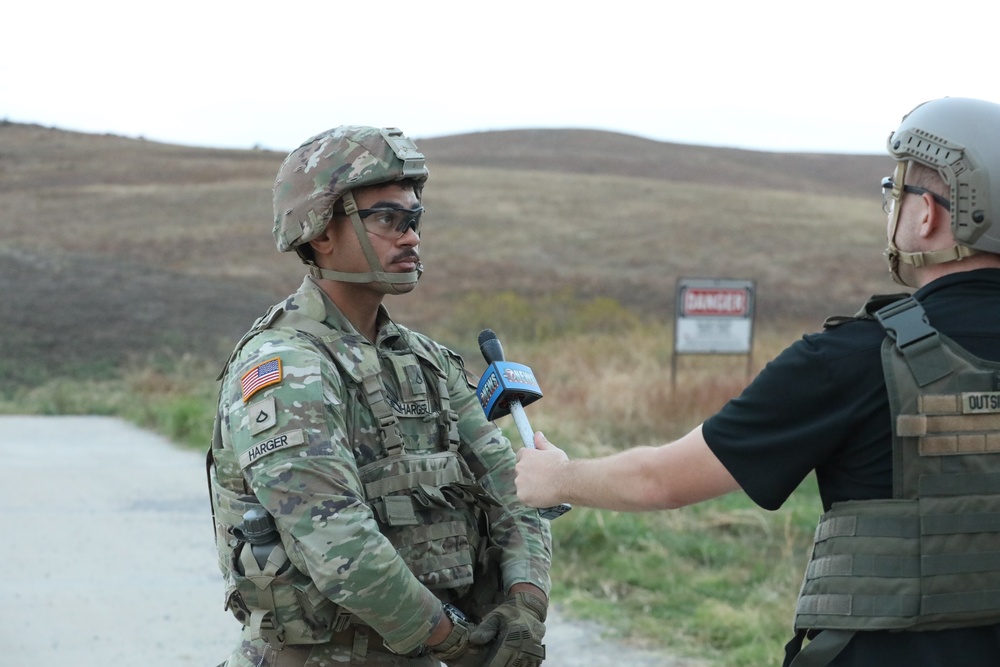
point(274, 598)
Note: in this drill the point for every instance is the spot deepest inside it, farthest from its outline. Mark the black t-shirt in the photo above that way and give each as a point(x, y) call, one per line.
point(822, 405)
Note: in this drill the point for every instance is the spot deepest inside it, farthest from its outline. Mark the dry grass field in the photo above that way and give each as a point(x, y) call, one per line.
point(112, 248)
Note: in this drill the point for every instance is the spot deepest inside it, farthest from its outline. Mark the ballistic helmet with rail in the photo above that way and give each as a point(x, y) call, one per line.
point(957, 137)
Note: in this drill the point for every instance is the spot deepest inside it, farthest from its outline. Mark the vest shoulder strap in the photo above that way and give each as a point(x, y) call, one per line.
point(361, 369)
point(867, 311)
point(909, 333)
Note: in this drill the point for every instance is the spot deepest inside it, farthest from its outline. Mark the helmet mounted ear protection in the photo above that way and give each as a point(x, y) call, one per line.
point(326, 169)
point(957, 138)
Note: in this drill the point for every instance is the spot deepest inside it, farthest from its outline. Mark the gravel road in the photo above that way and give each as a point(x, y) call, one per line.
point(110, 558)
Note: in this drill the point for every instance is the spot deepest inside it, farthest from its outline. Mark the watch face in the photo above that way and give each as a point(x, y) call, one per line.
point(454, 613)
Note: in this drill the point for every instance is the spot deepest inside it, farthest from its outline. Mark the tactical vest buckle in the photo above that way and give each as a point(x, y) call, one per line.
point(905, 322)
point(449, 424)
point(262, 625)
point(388, 433)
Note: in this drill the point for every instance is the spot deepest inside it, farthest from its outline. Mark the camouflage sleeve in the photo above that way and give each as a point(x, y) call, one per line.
point(517, 529)
point(291, 439)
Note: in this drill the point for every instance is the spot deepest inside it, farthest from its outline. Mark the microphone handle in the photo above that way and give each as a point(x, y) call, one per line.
point(521, 421)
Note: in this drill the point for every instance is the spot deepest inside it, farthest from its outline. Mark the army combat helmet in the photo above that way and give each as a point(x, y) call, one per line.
point(957, 138)
point(326, 169)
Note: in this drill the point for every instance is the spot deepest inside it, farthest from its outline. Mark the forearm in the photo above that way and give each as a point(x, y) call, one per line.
point(348, 559)
point(634, 480)
point(624, 482)
point(524, 537)
point(374, 584)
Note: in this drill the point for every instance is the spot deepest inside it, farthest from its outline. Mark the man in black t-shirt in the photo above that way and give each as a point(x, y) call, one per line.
point(824, 405)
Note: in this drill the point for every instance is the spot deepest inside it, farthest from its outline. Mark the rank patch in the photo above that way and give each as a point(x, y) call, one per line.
point(260, 376)
point(263, 415)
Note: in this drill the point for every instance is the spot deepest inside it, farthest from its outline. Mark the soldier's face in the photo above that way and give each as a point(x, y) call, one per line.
point(395, 255)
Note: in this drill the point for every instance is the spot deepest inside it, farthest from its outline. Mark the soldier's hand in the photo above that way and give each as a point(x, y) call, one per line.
point(512, 633)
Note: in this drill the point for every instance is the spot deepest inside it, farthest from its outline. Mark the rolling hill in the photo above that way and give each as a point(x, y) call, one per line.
point(112, 248)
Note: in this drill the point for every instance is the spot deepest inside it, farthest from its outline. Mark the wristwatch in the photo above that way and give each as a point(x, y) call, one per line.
point(454, 614)
point(459, 634)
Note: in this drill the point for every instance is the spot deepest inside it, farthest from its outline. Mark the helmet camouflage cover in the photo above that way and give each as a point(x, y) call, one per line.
point(317, 174)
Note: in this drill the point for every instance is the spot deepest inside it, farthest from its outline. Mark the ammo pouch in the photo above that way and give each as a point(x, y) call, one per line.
point(428, 507)
point(929, 558)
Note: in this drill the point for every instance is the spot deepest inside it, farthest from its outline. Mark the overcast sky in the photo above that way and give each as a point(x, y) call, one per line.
point(766, 75)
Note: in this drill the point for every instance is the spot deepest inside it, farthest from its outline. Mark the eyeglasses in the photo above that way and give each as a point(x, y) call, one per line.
point(391, 222)
point(888, 201)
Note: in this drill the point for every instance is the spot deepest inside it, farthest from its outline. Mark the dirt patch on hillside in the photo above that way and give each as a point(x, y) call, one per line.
point(67, 315)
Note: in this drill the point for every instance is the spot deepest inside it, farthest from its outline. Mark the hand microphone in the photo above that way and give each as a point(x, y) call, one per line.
point(505, 388)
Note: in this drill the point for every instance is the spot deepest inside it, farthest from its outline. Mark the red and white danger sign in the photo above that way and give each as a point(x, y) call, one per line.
point(714, 315)
point(715, 302)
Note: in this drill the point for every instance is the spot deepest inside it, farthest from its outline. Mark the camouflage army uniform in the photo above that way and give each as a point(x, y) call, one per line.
point(372, 525)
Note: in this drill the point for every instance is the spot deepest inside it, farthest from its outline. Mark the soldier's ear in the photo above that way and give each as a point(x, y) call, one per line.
point(935, 219)
point(324, 243)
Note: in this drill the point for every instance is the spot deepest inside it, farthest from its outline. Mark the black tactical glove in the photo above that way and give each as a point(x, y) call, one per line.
point(512, 633)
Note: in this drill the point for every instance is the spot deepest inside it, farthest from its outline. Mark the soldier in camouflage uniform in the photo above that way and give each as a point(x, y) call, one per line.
point(365, 509)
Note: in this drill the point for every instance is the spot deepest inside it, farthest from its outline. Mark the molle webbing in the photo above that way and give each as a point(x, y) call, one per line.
point(954, 424)
point(412, 480)
point(894, 564)
point(929, 558)
point(427, 503)
point(388, 430)
point(946, 422)
point(365, 373)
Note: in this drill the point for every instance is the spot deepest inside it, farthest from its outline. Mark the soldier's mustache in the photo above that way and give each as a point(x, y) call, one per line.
point(406, 256)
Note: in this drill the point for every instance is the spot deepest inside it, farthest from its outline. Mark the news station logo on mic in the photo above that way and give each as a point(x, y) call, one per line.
point(503, 382)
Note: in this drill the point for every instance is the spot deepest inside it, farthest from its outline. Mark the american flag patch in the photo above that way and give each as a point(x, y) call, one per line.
point(260, 376)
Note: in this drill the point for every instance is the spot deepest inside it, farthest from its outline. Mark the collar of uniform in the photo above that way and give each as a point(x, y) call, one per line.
point(990, 277)
point(388, 334)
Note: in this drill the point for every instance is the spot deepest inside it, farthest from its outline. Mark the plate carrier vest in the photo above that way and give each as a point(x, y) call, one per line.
point(929, 557)
point(429, 500)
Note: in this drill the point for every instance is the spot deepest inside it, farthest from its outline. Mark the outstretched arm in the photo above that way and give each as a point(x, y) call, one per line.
point(680, 473)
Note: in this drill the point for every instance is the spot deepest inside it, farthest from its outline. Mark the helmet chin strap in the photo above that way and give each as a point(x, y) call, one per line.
point(388, 283)
point(894, 256)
